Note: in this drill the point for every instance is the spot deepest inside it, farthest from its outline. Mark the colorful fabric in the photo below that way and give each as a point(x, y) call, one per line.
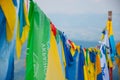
point(54, 68)
point(72, 48)
point(68, 57)
point(110, 65)
point(57, 37)
point(105, 73)
point(85, 73)
point(118, 50)
point(9, 11)
point(23, 27)
point(74, 64)
point(118, 56)
point(107, 51)
point(105, 42)
point(7, 39)
point(98, 68)
point(73, 68)
point(81, 63)
point(111, 40)
point(54, 30)
point(61, 54)
point(38, 44)
point(85, 65)
point(91, 65)
point(111, 73)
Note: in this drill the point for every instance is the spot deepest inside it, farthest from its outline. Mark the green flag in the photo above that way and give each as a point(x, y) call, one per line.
point(38, 44)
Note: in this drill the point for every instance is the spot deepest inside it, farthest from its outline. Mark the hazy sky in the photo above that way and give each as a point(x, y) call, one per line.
point(82, 19)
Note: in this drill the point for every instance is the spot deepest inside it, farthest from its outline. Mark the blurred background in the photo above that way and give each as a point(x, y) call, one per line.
point(81, 20)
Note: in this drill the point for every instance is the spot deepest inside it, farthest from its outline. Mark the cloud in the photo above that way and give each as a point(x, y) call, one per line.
point(81, 33)
point(78, 6)
point(82, 19)
point(97, 0)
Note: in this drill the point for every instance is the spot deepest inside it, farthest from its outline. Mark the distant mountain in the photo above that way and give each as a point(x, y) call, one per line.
point(86, 44)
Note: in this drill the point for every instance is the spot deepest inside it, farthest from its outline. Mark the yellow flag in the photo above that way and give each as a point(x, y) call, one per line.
point(118, 56)
point(109, 28)
point(54, 70)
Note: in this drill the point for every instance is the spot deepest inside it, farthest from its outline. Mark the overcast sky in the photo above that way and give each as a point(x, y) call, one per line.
point(82, 19)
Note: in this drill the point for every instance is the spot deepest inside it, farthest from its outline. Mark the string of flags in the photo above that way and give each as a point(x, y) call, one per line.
point(50, 55)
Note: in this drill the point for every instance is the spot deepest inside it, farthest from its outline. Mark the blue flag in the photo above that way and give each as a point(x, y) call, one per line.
point(6, 52)
point(7, 49)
